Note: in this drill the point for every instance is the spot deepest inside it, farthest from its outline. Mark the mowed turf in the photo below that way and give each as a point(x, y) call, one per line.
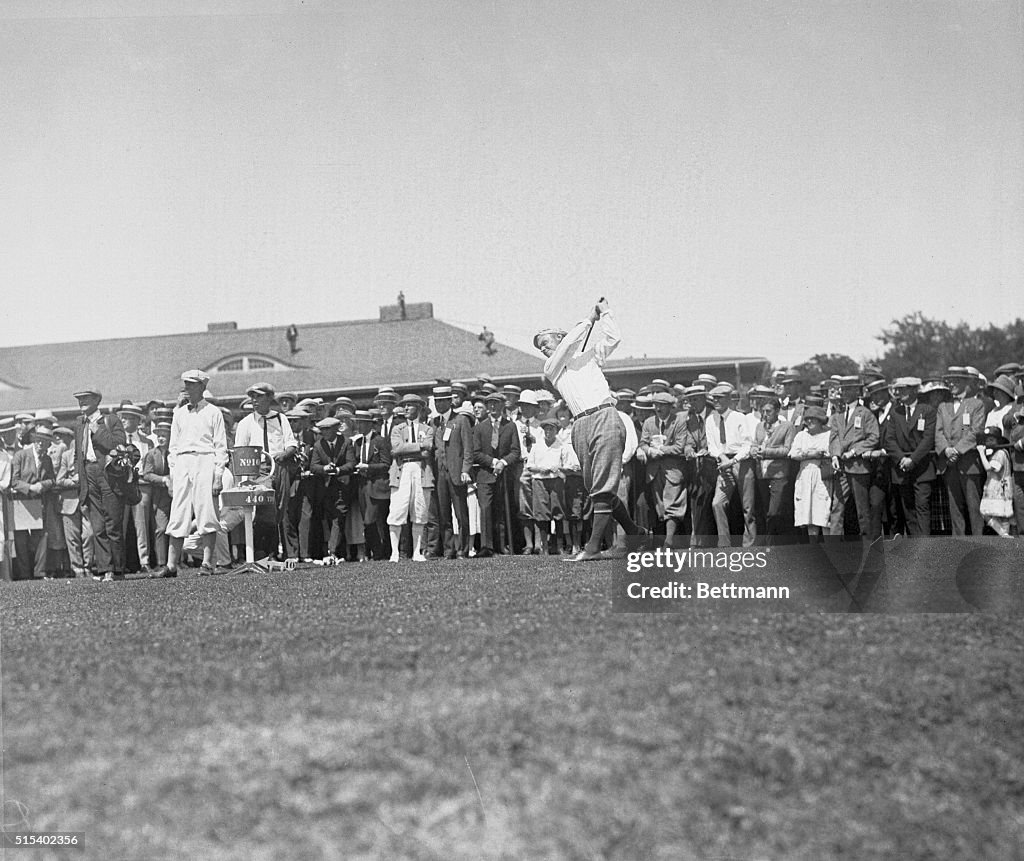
point(499, 709)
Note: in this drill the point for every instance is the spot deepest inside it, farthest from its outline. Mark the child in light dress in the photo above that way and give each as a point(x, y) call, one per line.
point(997, 495)
point(812, 491)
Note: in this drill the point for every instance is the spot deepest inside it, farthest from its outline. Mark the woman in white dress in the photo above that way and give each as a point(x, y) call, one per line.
point(812, 491)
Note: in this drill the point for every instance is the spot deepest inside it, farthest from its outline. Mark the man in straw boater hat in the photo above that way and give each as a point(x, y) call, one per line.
point(886, 514)
point(77, 529)
point(96, 436)
point(574, 362)
point(910, 443)
point(8, 441)
point(729, 443)
point(32, 479)
point(1013, 428)
point(197, 455)
point(412, 476)
point(959, 424)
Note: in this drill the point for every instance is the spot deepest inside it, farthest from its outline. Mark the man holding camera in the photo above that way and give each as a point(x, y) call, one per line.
point(96, 436)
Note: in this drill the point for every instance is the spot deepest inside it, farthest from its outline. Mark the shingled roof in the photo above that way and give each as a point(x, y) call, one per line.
point(407, 348)
point(352, 357)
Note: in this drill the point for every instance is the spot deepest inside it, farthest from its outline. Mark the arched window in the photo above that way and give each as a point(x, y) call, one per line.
point(243, 363)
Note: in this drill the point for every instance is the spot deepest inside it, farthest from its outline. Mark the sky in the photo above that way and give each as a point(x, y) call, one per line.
point(772, 179)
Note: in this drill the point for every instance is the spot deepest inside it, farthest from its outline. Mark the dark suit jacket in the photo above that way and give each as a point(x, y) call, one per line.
point(344, 457)
point(153, 468)
point(454, 455)
point(379, 460)
point(847, 436)
point(109, 435)
point(24, 473)
point(484, 455)
point(914, 439)
point(1014, 431)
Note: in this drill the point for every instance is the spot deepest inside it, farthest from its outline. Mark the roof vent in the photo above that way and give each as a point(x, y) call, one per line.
point(230, 326)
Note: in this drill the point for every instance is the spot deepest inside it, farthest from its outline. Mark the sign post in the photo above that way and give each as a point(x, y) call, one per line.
point(247, 465)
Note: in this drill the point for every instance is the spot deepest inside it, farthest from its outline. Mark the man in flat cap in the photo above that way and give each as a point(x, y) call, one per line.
point(495, 454)
point(197, 455)
point(662, 441)
point(96, 436)
point(853, 434)
point(453, 450)
point(959, 424)
point(910, 443)
point(333, 462)
point(267, 428)
point(511, 394)
point(138, 515)
point(574, 362)
point(157, 473)
point(373, 468)
point(305, 518)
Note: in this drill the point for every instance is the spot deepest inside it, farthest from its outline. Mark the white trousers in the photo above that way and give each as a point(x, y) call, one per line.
point(410, 498)
point(192, 496)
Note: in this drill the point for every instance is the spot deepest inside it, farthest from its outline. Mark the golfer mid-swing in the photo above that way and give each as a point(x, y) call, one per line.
point(574, 362)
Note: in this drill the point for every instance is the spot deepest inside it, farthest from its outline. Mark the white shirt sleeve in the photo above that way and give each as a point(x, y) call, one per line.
point(608, 338)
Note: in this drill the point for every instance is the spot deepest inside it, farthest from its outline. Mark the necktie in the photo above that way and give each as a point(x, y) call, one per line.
point(366, 449)
point(266, 436)
point(412, 431)
point(721, 428)
point(495, 428)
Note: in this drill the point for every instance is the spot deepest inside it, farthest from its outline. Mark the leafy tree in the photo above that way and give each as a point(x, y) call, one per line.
point(824, 365)
point(918, 346)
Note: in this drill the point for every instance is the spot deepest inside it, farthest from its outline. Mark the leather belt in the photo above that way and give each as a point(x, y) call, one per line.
point(593, 410)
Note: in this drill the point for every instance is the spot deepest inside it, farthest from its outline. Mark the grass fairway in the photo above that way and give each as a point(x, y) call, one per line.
point(499, 709)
